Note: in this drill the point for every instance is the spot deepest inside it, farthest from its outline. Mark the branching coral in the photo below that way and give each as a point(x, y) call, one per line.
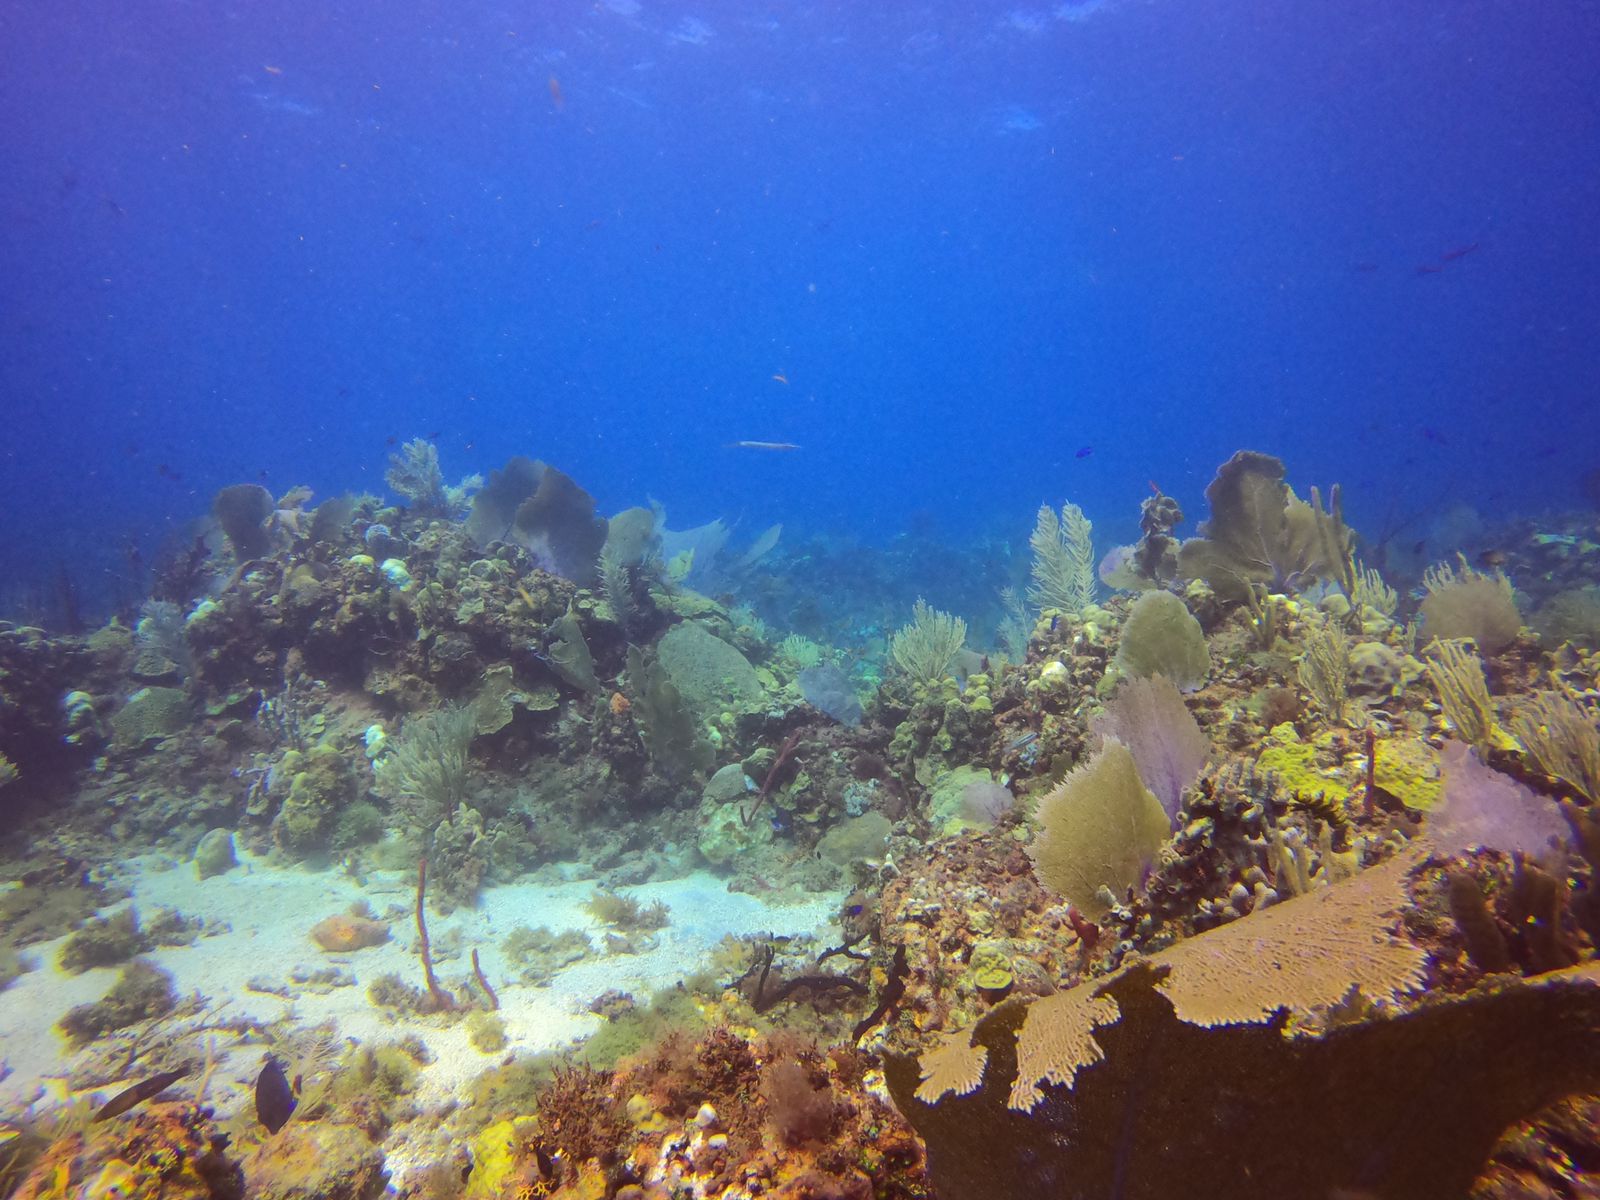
point(1562, 737)
point(1150, 718)
point(924, 649)
point(1482, 807)
point(569, 654)
point(666, 723)
point(1467, 603)
point(1063, 560)
point(1244, 1111)
point(1162, 637)
point(1324, 671)
point(243, 511)
point(1457, 675)
point(1099, 830)
point(161, 641)
point(1372, 591)
point(414, 475)
point(543, 509)
point(1302, 955)
point(425, 773)
point(798, 652)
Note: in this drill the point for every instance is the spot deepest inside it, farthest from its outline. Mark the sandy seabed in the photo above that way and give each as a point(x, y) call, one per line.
point(262, 913)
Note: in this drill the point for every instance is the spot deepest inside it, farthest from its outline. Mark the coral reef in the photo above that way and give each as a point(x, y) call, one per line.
point(1253, 788)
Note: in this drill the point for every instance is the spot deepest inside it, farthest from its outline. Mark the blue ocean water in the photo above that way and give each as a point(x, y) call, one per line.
point(969, 258)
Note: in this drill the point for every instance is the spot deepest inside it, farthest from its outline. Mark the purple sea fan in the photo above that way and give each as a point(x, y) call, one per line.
point(1149, 717)
point(1482, 807)
point(828, 689)
point(986, 803)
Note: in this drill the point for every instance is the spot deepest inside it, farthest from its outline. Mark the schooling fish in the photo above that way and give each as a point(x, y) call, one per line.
point(137, 1094)
point(274, 1098)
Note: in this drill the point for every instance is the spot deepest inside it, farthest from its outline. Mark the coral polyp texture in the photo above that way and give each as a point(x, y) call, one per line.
point(480, 845)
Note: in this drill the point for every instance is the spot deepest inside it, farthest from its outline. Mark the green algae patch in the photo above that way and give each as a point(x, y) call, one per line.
point(141, 993)
point(102, 942)
point(1296, 764)
point(946, 811)
point(1409, 771)
point(487, 1032)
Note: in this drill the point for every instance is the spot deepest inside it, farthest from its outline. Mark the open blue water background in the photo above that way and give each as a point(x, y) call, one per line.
point(1001, 255)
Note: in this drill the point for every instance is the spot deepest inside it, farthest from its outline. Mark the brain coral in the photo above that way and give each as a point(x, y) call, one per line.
point(710, 675)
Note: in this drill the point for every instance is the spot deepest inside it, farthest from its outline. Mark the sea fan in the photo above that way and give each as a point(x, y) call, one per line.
point(1482, 807)
point(1149, 717)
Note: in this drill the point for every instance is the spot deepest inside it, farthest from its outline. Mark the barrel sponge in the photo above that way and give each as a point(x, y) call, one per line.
point(243, 511)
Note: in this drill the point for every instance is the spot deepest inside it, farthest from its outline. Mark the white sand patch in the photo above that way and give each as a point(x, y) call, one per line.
point(271, 908)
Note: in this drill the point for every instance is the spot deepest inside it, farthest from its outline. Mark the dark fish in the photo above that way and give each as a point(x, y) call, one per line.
point(1431, 434)
point(1084, 452)
point(547, 1166)
point(137, 1094)
point(274, 1099)
point(1428, 269)
point(1458, 252)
